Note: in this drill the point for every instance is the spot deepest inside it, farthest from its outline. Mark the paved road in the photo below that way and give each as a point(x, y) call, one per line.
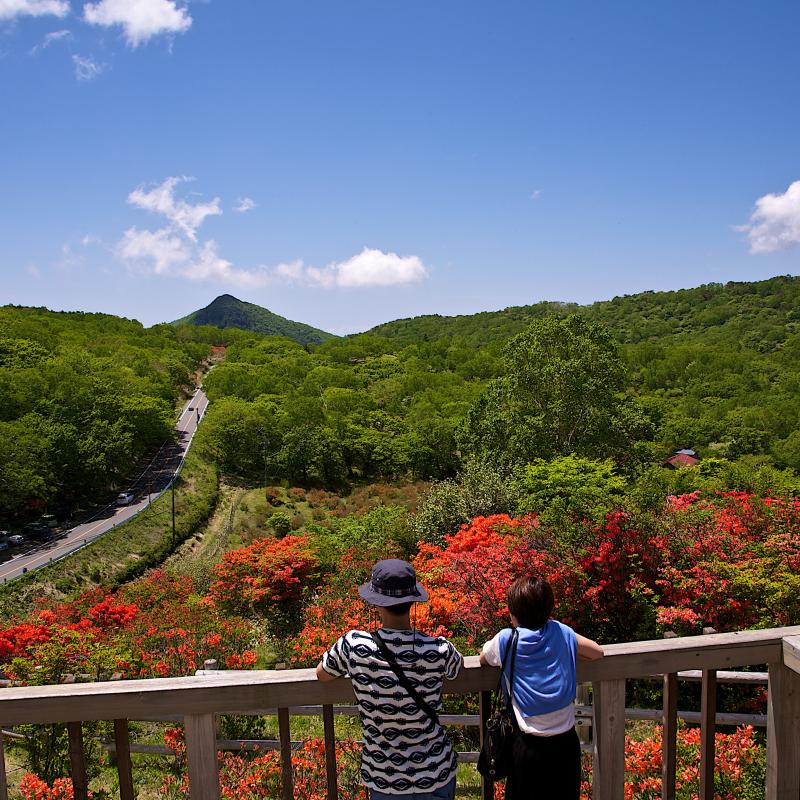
point(150, 485)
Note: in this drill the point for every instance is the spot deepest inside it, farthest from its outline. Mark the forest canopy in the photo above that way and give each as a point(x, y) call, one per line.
point(82, 397)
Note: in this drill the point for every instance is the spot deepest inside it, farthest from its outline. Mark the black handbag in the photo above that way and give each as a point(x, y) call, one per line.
point(494, 761)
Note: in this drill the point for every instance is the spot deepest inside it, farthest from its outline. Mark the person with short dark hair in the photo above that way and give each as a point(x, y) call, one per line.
point(406, 750)
point(546, 760)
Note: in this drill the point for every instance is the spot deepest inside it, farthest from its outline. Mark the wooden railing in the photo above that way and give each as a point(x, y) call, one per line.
point(197, 700)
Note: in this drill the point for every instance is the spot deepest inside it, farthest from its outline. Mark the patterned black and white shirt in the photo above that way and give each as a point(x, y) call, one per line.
point(404, 750)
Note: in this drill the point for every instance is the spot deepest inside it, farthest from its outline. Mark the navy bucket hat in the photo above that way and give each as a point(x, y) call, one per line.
point(393, 583)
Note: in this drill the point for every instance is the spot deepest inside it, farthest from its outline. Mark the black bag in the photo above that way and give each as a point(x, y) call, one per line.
point(403, 679)
point(494, 761)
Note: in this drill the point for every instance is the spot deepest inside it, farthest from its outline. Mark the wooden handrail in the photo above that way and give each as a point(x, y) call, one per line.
point(237, 693)
point(197, 699)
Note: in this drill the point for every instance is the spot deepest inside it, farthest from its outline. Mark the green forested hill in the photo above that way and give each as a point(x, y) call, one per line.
point(765, 312)
point(715, 368)
point(82, 397)
point(227, 311)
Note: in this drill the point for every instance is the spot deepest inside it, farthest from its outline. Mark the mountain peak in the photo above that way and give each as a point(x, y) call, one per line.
point(227, 311)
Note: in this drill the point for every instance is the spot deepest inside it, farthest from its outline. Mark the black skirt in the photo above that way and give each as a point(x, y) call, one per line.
point(545, 767)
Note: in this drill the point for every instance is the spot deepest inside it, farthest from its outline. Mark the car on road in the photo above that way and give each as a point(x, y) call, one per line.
point(38, 530)
point(16, 540)
point(125, 498)
point(3, 545)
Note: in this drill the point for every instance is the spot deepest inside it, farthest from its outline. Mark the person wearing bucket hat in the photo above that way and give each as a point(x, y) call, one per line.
point(397, 674)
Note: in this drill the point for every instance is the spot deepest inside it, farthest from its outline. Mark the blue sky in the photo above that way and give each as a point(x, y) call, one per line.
point(392, 159)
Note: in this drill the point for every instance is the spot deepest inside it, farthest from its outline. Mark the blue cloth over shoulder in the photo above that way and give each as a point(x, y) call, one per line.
point(544, 672)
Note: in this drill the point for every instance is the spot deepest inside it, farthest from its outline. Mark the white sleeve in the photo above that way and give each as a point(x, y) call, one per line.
point(491, 651)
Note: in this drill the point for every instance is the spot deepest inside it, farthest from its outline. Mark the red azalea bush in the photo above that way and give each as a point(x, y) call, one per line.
point(32, 787)
point(739, 766)
point(264, 574)
point(731, 562)
point(154, 627)
point(256, 776)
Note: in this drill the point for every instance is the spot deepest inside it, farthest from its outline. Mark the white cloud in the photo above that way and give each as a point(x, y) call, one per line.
point(187, 217)
point(371, 267)
point(140, 19)
point(175, 250)
point(9, 9)
point(775, 222)
point(244, 204)
point(49, 39)
point(85, 68)
point(162, 249)
point(536, 194)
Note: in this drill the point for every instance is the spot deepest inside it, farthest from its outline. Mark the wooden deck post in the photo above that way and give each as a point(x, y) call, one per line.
point(201, 753)
point(708, 728)
point(669, 736)
point(330, 752)
point(485, 711)
point(122, 749)
point(77, 761)
point(783, 734)
point(3, 780)
point(287, 774)
point(608, 772)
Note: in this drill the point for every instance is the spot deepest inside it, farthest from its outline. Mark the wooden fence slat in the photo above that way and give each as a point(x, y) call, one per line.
point(3, 780)
point(669, 723)
point(201, 753)
point(284, 734)
point(77, 761)
point(608, 773)
point(330, 752)
point(484, 712)
point(122, 748)
point(783, 734)
point(582, 699)
point(708, 718)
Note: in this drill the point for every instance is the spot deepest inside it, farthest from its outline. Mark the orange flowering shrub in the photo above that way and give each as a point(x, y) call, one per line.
point(739, 766)
point(255, 776)
point(153, 627)
point(265, 574)
point(32, 787)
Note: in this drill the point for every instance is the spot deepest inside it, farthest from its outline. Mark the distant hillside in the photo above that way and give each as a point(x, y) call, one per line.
point(228, 312)
point(760, 314)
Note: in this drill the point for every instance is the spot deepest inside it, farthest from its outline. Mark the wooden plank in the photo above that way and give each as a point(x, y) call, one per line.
point(122, 748)
point(221, 693)
point(725, 676)
point(484, 712)
point(201, 753)
point(3, 779)
point(287, 774)
point(582, 698)
point(708, 720)
point(783, 733)
point(669, 745)
point(608, 774)
point(330, 752)
point(791, 652)
point(77, 761)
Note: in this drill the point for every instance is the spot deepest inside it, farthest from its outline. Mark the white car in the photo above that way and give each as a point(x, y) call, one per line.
point(16, 539)
point(125, 498)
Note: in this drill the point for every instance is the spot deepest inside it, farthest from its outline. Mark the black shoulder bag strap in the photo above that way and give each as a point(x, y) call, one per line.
point(510, 659)
point(404, 681)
